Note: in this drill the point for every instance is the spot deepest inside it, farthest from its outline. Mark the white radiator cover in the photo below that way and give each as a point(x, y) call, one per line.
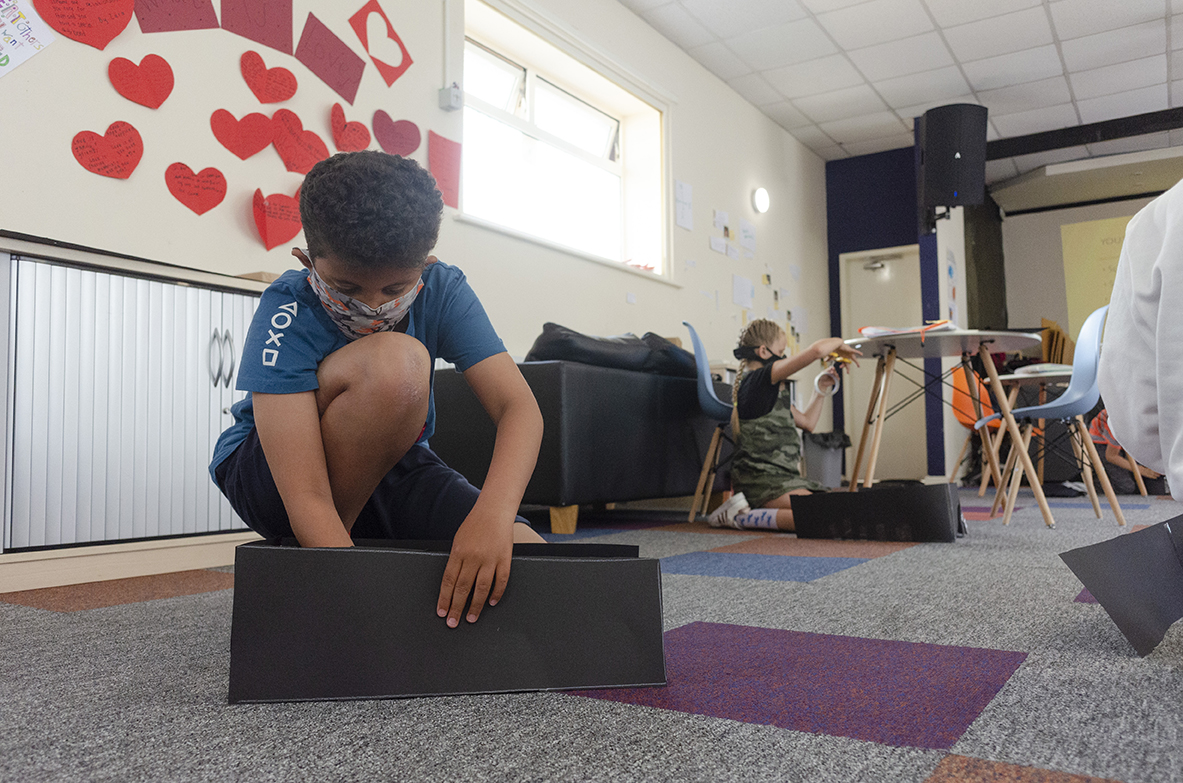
point(119, 387)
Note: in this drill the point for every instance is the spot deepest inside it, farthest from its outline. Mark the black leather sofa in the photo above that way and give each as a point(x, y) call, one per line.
point(610, 435)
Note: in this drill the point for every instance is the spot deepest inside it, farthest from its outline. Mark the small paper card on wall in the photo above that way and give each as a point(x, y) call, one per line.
point(268, 22)
point(720, 219)
point(742, 291)
point(443, 160)
point(747, 235)
point(684, 205)
point(167, 16)
point(22, 34)
point(329, 58)
point(732, 252)
point(719, 245)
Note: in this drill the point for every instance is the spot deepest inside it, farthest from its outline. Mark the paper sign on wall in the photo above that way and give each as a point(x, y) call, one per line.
point(720, 219)
point(732, 252)
point(747, 235)
point(268, 22)
point(1091, 252)
point(719, 245)
point(22, 34)
point(742, 291)
point(443, 160)
point(167, 16)
point(329, 58)
point(684, 205)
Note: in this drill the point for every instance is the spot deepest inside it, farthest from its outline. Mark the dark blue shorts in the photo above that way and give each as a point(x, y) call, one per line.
point(421, 498)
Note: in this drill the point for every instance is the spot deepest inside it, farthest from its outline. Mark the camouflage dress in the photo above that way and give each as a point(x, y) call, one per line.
point(767, 461)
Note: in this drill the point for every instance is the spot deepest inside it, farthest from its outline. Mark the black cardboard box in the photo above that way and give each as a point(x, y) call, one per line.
point(900, 512)
point(360, 623)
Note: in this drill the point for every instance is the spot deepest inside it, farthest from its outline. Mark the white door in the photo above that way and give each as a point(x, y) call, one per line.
point(882, 288)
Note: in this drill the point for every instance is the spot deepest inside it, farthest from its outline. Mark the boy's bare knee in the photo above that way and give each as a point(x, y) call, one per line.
point(387, 366)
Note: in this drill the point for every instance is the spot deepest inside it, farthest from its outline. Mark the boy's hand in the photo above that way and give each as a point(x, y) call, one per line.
point(481, 554)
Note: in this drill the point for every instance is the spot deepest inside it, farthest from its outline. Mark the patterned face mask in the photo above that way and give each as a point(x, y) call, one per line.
point(357, 319)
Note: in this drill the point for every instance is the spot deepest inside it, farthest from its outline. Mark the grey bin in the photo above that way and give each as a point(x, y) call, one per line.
point(823, 456)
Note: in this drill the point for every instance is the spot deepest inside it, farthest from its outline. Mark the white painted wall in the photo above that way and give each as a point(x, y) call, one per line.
point(718, 143)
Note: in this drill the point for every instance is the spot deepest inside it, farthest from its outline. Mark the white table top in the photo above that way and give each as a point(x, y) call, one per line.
point(945, 342)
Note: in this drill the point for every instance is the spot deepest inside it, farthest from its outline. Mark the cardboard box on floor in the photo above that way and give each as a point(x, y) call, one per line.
point(360, 623)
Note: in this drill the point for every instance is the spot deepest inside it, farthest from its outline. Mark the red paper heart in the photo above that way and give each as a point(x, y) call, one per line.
point(348, 136)
point(245, 137)
point(277, 217)
point(397, 138)
point(200, 192)
point(270, 85)
point(114, 154)
point(147, 84)
point(92, 22)
point(299, 149)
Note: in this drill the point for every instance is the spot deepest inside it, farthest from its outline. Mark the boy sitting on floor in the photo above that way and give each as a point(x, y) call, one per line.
point(330, 444)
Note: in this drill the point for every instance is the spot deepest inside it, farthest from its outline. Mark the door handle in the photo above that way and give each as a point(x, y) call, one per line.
point(215, 375)
point(227, 348)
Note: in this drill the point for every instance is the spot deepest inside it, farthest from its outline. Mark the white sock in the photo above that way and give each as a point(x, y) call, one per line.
point(758, 519)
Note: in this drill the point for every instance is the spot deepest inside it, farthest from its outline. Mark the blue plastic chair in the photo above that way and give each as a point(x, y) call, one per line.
point(1078, 399)
point(713, 408)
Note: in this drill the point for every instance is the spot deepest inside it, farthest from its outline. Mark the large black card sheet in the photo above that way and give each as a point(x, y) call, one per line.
point(910, 512)
point(360, 623)
point(1138, 579)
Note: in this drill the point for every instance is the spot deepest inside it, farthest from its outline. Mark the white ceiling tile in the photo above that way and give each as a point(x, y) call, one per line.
point(676, 24)
point(815, 76)
point(1124, 104)
point(821, 6)
point(864, 127)
point(1115, 46)
point(1000, 170)
point(1177, 6)
point(1026, 163)
point(874, 22)
point(786, 115)
point(1025, 97)
point(784, 44)
point(1175, 64)
point(1000, 35)
point(734, 17)
point(880, 145)
point(719, 60)
point(641, 6)
point(1075, 18)
point(924, 52)
point(1176, 94)
point(1176, 31)
point(909, 113)
point(1014, 68)
point(840, 104)
point(1119, 78)
point(1151, 141)
point(917, 88)
point(1036, 120)
point(755, 90)
point(950, 13)
point(811, 136)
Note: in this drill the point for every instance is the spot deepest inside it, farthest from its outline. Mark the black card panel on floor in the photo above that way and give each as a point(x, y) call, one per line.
point(913, 512)
point(360, 623)
point(1138, 579)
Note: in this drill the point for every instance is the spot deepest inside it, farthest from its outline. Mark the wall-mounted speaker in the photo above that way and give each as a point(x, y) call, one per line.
point(951, 151)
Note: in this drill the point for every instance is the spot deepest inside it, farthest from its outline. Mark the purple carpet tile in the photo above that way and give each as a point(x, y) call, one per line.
point(1085, 597)
point(905, 694)
point(1103, 502)
point(775, 568)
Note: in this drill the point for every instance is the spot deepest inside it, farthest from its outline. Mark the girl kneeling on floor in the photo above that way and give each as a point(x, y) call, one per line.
point(766, 468)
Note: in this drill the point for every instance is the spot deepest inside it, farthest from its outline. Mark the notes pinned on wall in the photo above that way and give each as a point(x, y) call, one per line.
point(719, 245)
point(743, 291)
point(684, 205)
point(747, 235)
point(720, 219)
point(22, 34)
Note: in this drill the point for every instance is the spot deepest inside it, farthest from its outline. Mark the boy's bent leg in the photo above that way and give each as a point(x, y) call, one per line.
point(372, 400)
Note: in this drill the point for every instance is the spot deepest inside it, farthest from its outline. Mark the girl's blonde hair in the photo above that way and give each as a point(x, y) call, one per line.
point(759, 332)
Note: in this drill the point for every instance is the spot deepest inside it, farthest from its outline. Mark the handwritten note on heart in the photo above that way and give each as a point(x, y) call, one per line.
point(277, 217)
point(299, 149)
point(200, 192)
point(246, 137)
point(397, 138)
point(147, 84)
point(114, 154)
point(92, 22)
point(270, 85)
point(348, 136)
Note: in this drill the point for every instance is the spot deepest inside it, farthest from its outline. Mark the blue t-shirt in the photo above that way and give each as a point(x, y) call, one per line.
point(291, 334)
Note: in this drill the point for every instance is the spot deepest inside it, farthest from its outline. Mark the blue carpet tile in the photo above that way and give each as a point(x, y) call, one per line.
point(580, 533)
point(777, 568)
point(1104, 504)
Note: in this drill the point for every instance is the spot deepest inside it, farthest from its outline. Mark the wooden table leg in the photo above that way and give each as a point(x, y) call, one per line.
point(563, 519)
point(888, 371)
point(1100, 469)
point(1016, 437)
point(987, 445)
point(876, 387)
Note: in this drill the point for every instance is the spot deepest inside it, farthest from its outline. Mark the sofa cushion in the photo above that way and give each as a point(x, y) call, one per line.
point(650, 353)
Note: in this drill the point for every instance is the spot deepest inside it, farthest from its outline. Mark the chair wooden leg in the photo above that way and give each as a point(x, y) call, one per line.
point(1137, 473)
point(960, 456)
point(708, 464)
point(1086, 469)
point(876, 387)
point(888, 372)
point(1002, 489)
point(995, 445)
point(1016, 479)
point(1100, 468)
point(989, 451)
point(563, 519)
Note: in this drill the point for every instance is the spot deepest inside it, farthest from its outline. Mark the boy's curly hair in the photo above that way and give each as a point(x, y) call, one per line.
point(371, 209)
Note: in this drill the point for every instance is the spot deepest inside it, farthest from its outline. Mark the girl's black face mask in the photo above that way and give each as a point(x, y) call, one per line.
point(749, 352)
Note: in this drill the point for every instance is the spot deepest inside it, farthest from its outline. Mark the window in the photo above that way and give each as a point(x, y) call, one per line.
point(554, 150)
